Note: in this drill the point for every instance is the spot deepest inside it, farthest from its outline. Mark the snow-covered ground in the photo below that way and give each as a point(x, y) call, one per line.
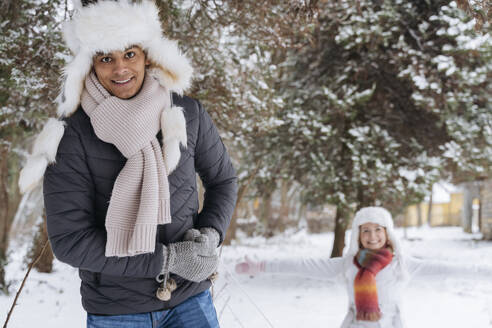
point(52, 300)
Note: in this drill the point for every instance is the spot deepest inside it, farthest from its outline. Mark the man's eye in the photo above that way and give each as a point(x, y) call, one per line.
point(130, 54)
point(105, 59)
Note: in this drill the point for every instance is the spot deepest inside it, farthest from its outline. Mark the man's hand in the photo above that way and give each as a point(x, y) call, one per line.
point(211, 238)
point(195, 258)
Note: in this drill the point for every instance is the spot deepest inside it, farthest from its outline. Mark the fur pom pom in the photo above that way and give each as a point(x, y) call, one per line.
point(172, 154)
point(173, 126)
point(44, 152)
point(32, 173)
point(48, 140)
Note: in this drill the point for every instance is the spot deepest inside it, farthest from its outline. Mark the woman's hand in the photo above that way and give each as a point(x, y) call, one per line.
point(250, 267)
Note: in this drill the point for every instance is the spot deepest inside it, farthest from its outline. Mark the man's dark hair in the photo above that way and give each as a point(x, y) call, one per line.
point(88, 2)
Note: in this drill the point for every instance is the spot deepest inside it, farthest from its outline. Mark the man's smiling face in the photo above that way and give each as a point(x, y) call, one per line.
point(121, 73)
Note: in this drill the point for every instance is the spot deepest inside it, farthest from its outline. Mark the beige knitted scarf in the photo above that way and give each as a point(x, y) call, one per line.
point(140, 198)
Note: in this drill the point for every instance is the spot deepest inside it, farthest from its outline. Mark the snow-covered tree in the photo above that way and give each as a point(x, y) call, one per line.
point(481, 10)
point(30, 44)
point(234, 46)
point(382, 97)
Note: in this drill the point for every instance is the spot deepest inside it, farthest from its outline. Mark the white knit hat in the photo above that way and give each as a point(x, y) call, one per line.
point(374, 214)
point(109, 25)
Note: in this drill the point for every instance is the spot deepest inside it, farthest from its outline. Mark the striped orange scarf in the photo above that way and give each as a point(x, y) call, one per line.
point(369, 262)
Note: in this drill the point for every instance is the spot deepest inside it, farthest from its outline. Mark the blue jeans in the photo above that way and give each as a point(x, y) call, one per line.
point(196, 312)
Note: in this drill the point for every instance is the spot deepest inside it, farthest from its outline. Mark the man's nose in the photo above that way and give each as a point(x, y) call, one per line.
point(120, 68)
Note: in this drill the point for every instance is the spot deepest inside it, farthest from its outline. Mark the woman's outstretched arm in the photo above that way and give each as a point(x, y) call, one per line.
point(320, 268)
point(427, 267)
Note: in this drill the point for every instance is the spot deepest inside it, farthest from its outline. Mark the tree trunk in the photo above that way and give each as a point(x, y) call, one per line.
point(266, 213)
point(340, 228)
point(301, 213)
point(480, 205)
point(429, 209)
point(480, 214)
point(419, 215)
point(284, 205)
point(4, 211)
point(231, 231)
point(467, 213)
point(480, 219)
point(45, 262)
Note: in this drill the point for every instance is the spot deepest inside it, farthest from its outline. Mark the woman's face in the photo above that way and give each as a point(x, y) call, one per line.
point(372, 236)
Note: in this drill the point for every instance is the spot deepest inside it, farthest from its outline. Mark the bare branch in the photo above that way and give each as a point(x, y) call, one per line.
point(33, 263)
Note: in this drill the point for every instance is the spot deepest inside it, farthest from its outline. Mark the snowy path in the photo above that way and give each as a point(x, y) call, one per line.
point(286, 301)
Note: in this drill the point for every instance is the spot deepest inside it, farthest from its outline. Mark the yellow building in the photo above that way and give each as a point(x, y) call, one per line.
point(442, 214)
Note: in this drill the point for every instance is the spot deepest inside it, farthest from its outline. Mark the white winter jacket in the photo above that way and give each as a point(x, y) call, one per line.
point(390, 282)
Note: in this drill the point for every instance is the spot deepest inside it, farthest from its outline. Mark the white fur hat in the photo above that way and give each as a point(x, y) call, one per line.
point(374, 214)
point(109, 25)
point(104, 26)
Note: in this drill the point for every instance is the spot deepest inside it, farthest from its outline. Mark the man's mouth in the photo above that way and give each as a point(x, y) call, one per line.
point(122, 81)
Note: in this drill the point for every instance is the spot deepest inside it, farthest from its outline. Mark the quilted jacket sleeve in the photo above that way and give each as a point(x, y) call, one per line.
point(74, 236)
point(214, 166)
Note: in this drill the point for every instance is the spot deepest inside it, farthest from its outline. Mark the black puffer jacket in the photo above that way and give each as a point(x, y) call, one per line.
point(77, 190)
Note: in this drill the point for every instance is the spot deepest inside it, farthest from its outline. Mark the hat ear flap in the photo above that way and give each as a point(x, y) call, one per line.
point(74, 73)
point(169, 66)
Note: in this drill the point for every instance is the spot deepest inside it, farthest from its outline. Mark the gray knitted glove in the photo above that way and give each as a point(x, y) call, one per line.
point(194, 259)
point(211, 238)
point(191, 235)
